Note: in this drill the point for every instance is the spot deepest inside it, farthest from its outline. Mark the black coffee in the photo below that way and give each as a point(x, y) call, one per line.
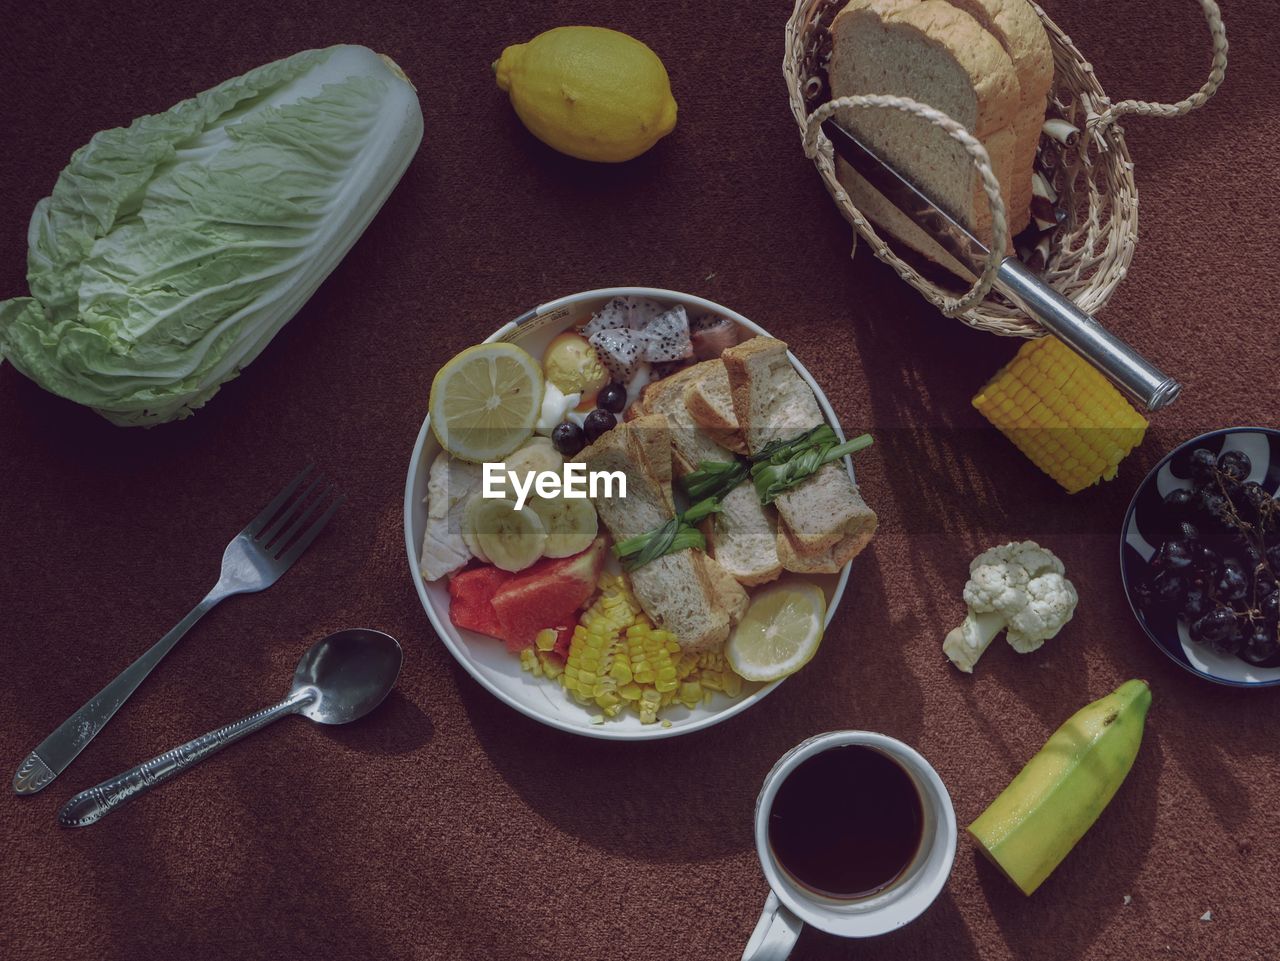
point(846, 822)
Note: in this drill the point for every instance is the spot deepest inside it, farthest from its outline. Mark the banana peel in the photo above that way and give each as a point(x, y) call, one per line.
point(1035, 822)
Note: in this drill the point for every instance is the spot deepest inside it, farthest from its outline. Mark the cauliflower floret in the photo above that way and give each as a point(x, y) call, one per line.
point(1052, 602)
point(1019, 586)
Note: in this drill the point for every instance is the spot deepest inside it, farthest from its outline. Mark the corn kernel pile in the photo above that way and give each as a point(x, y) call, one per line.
point(619, 660)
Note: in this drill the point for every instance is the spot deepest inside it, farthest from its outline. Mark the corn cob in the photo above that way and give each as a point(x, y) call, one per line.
point(618, 661)
point(1062, 414)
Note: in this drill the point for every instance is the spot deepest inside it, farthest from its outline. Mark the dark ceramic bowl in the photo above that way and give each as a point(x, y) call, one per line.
point(1140, 537)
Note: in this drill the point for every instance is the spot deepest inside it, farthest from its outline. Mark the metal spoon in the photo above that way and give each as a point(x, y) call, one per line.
point(341, 678)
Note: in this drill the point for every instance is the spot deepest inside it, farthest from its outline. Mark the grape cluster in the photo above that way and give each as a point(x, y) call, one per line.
point(1216, 567)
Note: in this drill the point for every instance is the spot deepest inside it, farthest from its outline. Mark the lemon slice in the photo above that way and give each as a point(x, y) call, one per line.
point(779, 633)
point(485, 401)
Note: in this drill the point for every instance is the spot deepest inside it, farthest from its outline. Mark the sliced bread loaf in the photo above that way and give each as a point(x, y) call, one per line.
point(940, 55)
point(1019, 29)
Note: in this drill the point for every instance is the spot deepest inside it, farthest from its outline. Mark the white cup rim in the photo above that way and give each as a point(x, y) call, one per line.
point(900, 904)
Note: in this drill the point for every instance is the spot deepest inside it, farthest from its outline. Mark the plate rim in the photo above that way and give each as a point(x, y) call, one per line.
point(603, 731)
point(1124, 576)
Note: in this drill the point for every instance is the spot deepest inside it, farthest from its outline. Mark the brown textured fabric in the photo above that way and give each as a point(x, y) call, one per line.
point(447, 826)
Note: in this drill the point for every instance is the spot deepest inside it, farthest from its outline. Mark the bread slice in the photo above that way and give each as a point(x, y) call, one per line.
point(730, 595)
point(772, 404)
point(742, 535)
point(711, 407)
point(674, 590)
point(1019, 29)
point(831, 560)
point(940, 55)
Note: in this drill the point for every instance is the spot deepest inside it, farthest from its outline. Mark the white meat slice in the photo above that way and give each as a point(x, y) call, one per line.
point(449, 484)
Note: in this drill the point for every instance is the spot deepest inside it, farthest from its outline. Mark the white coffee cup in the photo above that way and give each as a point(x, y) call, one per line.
point(790, 906)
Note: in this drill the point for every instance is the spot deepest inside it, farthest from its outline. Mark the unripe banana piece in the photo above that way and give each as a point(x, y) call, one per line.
point(1054, 800)
point(570, 523)
point(511, 539)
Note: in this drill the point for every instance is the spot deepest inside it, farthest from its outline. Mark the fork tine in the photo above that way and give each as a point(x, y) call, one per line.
point(290, 512)
point(299, 517)
point(259, 522)
point(310, 534)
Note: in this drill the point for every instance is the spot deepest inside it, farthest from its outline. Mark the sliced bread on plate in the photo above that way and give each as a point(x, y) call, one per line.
point(741, 535)
point(675, 590)
point(772, 403)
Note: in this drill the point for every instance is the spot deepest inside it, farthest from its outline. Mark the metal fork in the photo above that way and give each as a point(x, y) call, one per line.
point(253, 561)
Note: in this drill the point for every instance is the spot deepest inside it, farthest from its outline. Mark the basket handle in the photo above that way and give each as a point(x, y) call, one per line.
point(815, 140)
point(1217, 72)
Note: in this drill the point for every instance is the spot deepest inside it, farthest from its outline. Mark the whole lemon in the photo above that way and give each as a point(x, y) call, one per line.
point(589, 92)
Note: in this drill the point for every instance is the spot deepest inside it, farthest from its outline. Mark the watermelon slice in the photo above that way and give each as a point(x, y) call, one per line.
point(471, 599)
point(548, 594)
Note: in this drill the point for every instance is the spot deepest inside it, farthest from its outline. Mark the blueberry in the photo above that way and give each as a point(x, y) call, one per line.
point(612, 397)
point(1273, 556)
point(1194, 603)
point(1174, 555)
point(1213, 505)
point(1270, 607)
point(598, 422)
point(1169, 588)
point(1261, 646)
point(1254, 494)
point(1206, 561)
point(1235, 464)
point(1204, 466)
point(1233, 582)
point(1179, 503)
point(568, 438)
point(1217, 629)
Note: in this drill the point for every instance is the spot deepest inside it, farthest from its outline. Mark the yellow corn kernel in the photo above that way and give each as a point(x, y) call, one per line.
point(528, 660)
point(690, 693)
point(545, 639)
point(1062, 414)
point(621, 671)
point(732, 683)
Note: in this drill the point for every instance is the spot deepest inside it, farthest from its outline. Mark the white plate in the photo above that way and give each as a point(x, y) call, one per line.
point(487, 659)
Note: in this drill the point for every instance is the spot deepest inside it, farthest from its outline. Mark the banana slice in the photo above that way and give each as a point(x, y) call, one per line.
point(511, 539)
point(469, 528)
point(570, 523)
point(535, 456)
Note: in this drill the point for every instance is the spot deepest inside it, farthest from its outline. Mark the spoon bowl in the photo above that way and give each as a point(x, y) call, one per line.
point(349, 674)
point(339, 679)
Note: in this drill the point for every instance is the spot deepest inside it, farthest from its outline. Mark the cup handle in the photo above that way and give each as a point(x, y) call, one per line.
point(775, 934)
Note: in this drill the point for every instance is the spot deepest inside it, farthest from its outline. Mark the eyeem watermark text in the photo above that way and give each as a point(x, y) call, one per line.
point(576, 481)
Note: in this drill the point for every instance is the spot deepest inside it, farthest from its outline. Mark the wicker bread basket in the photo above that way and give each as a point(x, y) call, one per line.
point(1093, 176)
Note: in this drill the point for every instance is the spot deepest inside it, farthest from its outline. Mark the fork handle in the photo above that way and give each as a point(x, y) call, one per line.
point(94, 803)
point(60, 748)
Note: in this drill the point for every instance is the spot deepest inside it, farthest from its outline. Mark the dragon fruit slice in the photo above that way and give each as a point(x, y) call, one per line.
point(641, 311)
point(633, 313)
point(609, 317)
point(619, 350)
point(667, 337)
point(712, 335)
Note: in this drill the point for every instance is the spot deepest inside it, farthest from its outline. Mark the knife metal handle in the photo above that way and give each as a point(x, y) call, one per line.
point(1134, 374)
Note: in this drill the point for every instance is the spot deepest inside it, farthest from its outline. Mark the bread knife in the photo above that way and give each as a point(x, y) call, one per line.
point(1137, 376)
